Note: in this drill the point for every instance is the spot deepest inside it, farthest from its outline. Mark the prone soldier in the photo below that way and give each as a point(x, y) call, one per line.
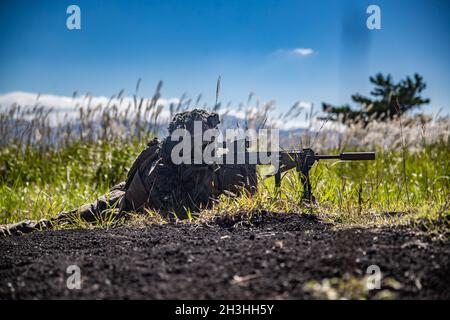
point(154, 182)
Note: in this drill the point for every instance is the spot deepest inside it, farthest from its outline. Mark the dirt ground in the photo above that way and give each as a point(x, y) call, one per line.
point(274, 257)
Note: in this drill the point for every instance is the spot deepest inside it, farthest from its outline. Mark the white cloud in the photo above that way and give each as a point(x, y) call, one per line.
point(304, 52)
point(295, 52)
point(65, 105)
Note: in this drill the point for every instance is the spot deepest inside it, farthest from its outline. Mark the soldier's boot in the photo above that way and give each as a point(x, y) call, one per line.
point(23, 227)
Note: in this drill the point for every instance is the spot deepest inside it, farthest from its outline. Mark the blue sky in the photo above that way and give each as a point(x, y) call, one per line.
point(250, 43)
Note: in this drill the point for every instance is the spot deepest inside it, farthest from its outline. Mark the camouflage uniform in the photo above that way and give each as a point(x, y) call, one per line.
point(155, 183)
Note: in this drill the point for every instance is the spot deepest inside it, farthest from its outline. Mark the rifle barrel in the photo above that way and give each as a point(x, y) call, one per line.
point(349, 156)
point(290, 156)
point(327, 156)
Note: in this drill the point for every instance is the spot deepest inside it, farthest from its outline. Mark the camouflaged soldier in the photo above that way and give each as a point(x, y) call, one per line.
point(154, 182)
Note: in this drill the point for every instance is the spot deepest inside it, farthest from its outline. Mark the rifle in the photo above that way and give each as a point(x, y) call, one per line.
point(301, 160)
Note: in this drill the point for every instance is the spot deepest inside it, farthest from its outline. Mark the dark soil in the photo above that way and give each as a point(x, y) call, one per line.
point(272, 256)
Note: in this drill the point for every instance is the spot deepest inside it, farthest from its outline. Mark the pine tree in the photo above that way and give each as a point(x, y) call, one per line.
point(389, 99)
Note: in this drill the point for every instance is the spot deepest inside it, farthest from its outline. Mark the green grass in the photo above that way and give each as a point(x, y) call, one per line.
point(367, 192)
point(36, 183)
point(350, 288)
point(398, 188)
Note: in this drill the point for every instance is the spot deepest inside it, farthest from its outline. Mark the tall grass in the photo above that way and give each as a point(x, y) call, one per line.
point(47, 167)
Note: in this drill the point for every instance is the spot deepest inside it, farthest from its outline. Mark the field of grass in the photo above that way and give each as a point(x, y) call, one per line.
point(396, 188)
point(409, 183)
